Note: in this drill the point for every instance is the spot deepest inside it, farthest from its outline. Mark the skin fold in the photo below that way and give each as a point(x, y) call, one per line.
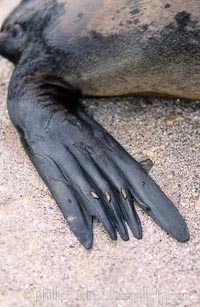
point(63, 52)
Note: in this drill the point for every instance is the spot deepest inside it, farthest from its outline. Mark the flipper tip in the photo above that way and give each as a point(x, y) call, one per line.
point(183, 235)
point(87, 242)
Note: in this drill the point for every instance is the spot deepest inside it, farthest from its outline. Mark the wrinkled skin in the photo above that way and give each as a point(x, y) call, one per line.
point(62, 51)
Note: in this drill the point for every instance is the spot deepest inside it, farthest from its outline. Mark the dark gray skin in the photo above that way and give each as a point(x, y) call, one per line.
point(67, 50)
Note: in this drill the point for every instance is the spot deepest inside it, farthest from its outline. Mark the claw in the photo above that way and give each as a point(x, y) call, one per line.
point(94, 195)
point(124, 193)
point(108, 196)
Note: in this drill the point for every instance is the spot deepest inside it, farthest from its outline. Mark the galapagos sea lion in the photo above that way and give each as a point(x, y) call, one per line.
point(66, 50)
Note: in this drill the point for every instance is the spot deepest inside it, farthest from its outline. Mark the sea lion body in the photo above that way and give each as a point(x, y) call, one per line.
point(123, 47)
point(66, 50)
point(132, 47)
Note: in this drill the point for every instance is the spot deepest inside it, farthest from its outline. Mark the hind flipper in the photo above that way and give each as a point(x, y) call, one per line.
point(87, 171)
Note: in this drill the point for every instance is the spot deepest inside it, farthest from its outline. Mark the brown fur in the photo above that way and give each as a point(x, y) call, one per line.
point(140, 66)
point(122, 47)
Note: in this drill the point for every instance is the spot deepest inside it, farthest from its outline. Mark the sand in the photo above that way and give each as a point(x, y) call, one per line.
point(43, 264)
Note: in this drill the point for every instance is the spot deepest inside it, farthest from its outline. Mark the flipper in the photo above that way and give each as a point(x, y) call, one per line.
point(87, 171)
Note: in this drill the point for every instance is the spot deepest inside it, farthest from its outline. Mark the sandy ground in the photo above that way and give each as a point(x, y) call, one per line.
point(42, 263)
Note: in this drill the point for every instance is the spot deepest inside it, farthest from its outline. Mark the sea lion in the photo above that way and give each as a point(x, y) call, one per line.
point(66, 50)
